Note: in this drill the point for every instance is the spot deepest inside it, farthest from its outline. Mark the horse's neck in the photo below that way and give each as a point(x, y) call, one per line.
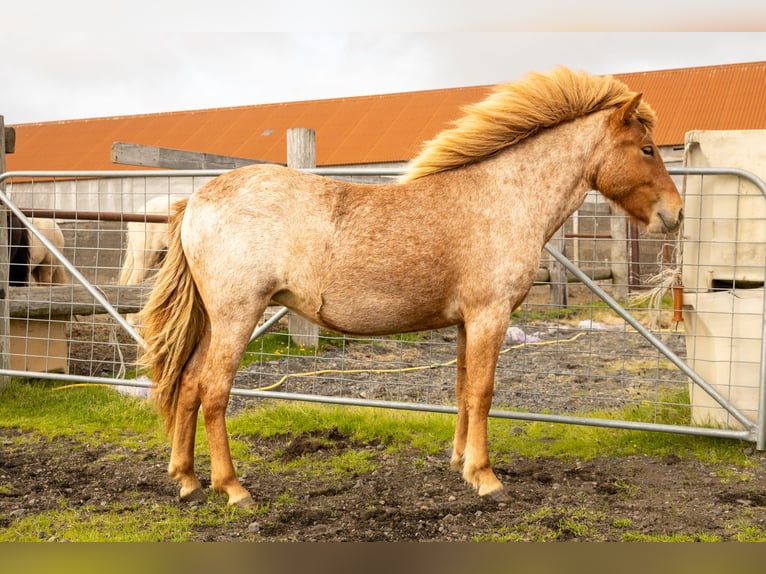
point(547, 176)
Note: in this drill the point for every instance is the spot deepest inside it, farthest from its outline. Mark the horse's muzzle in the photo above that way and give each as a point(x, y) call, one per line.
point(669, 223)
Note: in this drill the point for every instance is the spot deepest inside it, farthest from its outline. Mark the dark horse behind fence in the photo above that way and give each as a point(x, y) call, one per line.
point(31, 262)
point(18, 255)
point(456, 242)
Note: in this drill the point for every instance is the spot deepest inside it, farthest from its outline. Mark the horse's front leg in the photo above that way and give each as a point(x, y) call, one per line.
point(484, 334)
point(461, 423)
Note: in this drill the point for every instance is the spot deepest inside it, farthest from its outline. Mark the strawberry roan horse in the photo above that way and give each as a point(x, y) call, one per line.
point(456, 242)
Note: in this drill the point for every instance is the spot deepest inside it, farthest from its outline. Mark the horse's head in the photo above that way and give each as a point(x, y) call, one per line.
point(631, 173)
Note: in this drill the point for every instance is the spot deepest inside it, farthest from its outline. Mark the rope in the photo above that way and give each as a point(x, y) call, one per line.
point(282, 381)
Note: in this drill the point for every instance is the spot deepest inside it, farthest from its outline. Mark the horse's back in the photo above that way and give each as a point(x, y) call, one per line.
point(353, 258)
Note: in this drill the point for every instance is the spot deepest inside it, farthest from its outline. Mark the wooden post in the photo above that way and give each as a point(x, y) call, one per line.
point(619, 256)
point(559, 285)
point(5, 346)
point(301, 153)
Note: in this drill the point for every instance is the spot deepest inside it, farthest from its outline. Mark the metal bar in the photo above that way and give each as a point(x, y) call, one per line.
point(95, 215)
point(588, 235)
point(268, 324)
point(417, 407)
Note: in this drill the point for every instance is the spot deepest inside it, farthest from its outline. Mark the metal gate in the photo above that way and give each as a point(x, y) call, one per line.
point(751, 430)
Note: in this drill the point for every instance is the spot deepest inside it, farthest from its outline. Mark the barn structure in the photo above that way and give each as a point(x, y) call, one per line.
point(385, 130)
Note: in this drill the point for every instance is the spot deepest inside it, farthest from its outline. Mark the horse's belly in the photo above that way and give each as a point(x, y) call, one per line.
point(373, 315)
point(377, 323)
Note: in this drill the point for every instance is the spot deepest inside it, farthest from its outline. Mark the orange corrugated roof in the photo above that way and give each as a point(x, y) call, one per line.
point(706, 98)
point(374, 129)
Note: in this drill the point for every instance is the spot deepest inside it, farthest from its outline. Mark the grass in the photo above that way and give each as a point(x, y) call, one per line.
point(547, 524)
point(596, 310)
point(423, 431)
point(584, 442)
point(137, 523)
point(678, 537)
point(277, 345)
point(274, 347)
point(51, 408)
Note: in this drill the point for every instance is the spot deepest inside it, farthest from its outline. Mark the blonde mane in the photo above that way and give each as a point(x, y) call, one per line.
point(516, 110)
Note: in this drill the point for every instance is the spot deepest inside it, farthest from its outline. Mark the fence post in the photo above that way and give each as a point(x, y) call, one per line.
point(619, 255)
point(301, 153)
point(5, 342)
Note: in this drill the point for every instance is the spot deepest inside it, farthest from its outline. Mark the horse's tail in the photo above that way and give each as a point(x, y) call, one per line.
point(173, 321)
point(127, 265)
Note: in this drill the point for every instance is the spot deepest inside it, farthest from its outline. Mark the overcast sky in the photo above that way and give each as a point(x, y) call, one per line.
point(83, 59)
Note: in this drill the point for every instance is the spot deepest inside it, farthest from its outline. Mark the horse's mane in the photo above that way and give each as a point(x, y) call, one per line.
point(516, 110)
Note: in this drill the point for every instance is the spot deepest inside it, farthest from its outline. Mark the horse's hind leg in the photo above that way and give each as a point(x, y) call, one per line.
point(44, 271)
point(59, 274)
point(181, 465)
point(218, 363)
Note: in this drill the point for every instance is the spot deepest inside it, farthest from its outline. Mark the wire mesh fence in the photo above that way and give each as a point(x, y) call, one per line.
point(573, 357)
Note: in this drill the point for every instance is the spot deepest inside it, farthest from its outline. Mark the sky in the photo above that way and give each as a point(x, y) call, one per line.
point(83, 59)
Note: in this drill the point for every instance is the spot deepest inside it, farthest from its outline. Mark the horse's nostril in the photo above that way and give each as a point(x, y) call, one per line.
point(681, 216)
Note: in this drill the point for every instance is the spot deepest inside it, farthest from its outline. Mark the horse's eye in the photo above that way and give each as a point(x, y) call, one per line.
point(647, 150)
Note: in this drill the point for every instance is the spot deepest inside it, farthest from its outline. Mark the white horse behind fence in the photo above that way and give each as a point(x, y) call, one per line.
point(44, 268)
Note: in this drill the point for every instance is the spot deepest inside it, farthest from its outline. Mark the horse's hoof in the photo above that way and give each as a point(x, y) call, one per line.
point(196, 495)
point(246, 503)
point(497, 496)
point(455, 463)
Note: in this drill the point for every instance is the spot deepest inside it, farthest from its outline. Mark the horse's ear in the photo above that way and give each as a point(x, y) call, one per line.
point(627, 111)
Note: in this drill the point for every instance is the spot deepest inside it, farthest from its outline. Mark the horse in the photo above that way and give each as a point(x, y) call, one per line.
point(146, 244)
point(18, 252)
point(30, 261)
point(455, 242)
point(44, 269)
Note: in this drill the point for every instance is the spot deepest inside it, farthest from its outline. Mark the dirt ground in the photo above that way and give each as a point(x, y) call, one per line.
point(408, 497)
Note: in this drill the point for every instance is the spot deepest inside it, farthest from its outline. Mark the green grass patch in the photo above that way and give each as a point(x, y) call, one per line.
point(52, 408)
point(586, 442)
point(429, 432)
point(276, 346)
point(329, 469)
point(547, 524)
point(595, 309)
point(165, 523)
point(680, 537)
point(750, 533)
point(58, 409)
